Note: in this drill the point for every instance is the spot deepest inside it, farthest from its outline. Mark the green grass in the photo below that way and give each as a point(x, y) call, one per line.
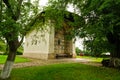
point(68, 71)
point(17, 60)
point(94, 59)
point(2, 46)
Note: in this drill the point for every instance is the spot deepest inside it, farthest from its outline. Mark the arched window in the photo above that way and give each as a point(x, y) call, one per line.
point(59, 41)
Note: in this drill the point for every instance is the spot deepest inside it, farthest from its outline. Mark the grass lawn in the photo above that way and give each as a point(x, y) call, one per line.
point(17, 60)
point(94, 59)
point(68, 71)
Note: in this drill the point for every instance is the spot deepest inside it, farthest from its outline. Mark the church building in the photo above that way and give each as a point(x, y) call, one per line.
point(48, 43)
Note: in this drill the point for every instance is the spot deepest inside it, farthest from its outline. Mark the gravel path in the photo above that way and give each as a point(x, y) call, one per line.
point(37, 62)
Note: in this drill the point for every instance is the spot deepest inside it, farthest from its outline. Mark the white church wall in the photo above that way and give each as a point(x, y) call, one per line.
point(37, 44)
point(51, 40)
point(73, 49)
point(51, 54)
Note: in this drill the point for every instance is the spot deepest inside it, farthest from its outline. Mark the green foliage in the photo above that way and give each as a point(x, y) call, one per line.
point(17, 18)
point(87, 53)
point(63, 19)
point(102, 20)
point(78, 51)
point(69, 71)
point(96, 46)
point(20, 50)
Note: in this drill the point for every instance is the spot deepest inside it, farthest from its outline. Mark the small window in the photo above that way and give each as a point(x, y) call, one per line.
point(58, 41)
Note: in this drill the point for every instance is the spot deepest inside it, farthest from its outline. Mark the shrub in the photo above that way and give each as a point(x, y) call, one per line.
point(19, 51)
point(105, 62)
point(87, 53)
point(78, 51)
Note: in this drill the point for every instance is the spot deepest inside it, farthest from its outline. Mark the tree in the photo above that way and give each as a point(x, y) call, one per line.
point(96, 46)
point(17, 17)
point(102, 24)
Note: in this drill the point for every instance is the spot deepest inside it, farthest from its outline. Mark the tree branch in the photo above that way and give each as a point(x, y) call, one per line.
point(0, 10)
point(17, 14)
point(20, 42)
point(33, 21)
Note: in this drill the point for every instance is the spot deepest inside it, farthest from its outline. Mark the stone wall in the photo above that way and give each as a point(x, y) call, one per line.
point(59, 42)
point(63, 46)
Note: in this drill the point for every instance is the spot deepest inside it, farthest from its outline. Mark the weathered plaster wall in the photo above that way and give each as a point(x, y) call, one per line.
point(51, 54)
point(37, 44)
point(73, 49)
point(51, 40)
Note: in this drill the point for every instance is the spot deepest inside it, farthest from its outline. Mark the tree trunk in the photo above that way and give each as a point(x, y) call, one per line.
point(8, 65)
point(7, 69)
point(115, 56)
point(115, 52)
point(114, 41)
point(10, 60)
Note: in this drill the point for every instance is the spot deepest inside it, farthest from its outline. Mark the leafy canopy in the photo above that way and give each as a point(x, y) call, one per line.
point(99, 23)
point(17, 16)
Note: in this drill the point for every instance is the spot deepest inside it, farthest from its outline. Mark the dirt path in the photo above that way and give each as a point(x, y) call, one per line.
point(37, 62)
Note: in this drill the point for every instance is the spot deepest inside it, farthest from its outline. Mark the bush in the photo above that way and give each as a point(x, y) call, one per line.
point(78, 51)
point(19, 53)
point(105, 62)
point(87, 53)
point(20, 50)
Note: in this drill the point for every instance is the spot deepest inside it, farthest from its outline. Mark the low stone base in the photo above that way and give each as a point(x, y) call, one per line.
point(51, 56)
point(44, 56)
point(74, 55)
point(61, 56)
point(36, 55)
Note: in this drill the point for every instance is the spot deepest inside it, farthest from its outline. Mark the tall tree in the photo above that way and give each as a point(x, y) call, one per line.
point(16, 19)
point(102, 24)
